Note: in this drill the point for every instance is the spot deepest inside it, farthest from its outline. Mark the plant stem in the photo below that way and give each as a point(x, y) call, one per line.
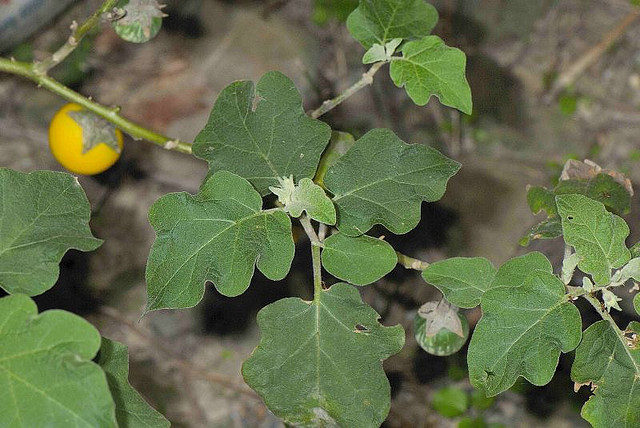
point(77, 34)
point(111, 114)
point(310, 231)
point(316, 244)
point(366, 80)
point(317, 271)
point(410, 262)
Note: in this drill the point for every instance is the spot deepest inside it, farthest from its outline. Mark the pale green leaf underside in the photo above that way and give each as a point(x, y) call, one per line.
point(383, 180)
point(597, 235)
point(262, 133)
point(218, 235)
point(602, 358)
point(42, 215)
point(429, 67)
point(131, 409)
point(462, 280)
point(524, 327)
point(379, 21)
point(46, 374)
point(320, 363)
point(358, 260)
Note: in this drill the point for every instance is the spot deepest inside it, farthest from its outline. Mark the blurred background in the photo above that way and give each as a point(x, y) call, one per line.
point(524, 127)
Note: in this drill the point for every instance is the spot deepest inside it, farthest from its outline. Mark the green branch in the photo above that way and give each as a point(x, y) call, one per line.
point(366, 80)
point(316, 244)
point(77, 34)
point(111, 114)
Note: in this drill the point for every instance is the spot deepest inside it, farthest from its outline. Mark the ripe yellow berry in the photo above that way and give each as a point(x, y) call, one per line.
point(82, 142)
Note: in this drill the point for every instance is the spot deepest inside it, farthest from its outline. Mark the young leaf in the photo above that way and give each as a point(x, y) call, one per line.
point(383, 180)
point(462, 280)
point(379, 21)
point(218, 235)
point(596, 234)
point(320, 363)
point(42, 215)
point(429, 67)
point(374, 54)
point(605, 360)
point(359, 260)
point(46, 374)
point(306, 196)
point(131, 409)
point(527, 321)
point(630, 270)
point(261, 133)
point(636, 303)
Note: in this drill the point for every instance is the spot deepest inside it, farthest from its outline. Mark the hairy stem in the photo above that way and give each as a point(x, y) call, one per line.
point(111, 114)
point(77, 34)
point(366, 80)
point(410, 262)
point(316, 244)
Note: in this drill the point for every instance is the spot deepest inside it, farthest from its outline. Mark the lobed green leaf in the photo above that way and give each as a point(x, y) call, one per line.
point(429, 67)
point(527, 321)
point(359, 260)
point(605, 360)
point(131, 409)
point(218, 235)
point(597, 235)
point(47, 377)
point(320, 363)
point(43, 214)
point(261, 133)
point(383, 180)
point(462, 280)
point(379, 21)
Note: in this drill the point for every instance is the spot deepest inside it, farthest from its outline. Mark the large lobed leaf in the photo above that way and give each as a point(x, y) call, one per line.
point(383, 180)
point(605, 360)
point(218, 235)
point(46, 374)
point(320, 363)
point(429, 67)
point(597, 235)
point(526, 322)
point(261, 133)
point(379, 21)
point(42, 215)
point(462, 280)
point(131, 409)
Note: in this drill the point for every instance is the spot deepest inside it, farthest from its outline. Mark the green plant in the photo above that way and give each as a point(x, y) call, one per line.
point(319, 362)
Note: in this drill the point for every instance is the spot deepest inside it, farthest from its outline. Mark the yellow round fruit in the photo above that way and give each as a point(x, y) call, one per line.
point(66, 143)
